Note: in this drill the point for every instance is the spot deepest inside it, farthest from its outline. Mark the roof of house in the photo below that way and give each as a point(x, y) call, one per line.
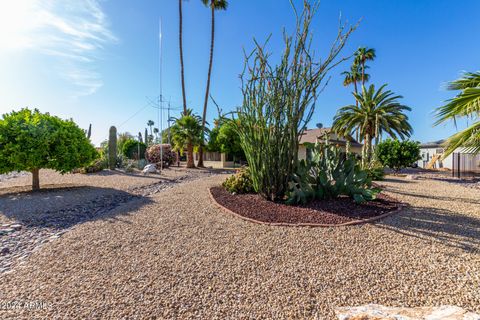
point(433, 144)
point(313, 135)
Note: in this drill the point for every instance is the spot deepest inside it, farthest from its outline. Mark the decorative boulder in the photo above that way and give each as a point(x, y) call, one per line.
point(149, 168)
point(378, 312)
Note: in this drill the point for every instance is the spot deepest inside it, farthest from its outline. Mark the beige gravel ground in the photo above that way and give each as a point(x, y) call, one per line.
point(176, 255)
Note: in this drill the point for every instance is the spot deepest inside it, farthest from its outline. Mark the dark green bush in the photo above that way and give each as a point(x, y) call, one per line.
point(241, 182)
point(130, 149)
point(329, 174)
point(397, 154)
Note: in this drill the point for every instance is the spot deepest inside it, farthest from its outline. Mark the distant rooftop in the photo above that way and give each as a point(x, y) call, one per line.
point(433, 144)
point(313, 135)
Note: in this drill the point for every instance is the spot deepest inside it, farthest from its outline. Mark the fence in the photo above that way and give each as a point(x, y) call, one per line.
point(465, 165)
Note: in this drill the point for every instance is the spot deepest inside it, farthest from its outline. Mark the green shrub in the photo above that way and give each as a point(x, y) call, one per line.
point(96, 166)
point(241, 182)
point(131, 147)
point(375, 171)
point(329, 174)
point(397, 154)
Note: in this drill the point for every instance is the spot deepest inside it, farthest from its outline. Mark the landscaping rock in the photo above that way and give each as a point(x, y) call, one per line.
point(16, 226)
point(379, 312)
point(149, 168)
point(4, 251)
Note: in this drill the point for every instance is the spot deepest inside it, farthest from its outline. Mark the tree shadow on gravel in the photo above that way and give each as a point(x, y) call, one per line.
point(61, 207)
point(436, 197)
point(438, 225)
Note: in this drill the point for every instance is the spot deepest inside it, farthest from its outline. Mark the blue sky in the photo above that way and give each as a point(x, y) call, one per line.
point(97, 61)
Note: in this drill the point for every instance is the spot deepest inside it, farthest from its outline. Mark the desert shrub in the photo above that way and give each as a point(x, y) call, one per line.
point(329, 174)
point(153, 154)
point(96, 166)
point(31, 140)
point(278, 102)
point(130, 149)
point(375, 170)
point(241, 182)
point(397, 154)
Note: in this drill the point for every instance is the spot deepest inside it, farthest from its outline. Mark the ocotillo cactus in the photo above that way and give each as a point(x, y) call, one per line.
point(112, 148)
point(89, 132)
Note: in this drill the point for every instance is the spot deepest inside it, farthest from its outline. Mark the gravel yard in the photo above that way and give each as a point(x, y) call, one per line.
point(174, 254)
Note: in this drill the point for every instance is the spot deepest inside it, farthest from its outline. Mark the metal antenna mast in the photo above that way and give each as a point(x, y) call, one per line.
point(160, 105)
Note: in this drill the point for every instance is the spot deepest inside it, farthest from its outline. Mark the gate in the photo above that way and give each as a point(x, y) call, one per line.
point(465, 165)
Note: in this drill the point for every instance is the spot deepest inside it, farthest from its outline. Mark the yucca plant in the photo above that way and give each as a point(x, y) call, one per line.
point(278, 102)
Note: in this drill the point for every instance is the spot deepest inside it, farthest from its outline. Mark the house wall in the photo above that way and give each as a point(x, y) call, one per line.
point(427, 154)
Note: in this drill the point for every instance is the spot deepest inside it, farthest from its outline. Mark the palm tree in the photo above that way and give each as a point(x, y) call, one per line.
point(182, 73)
point(150, 124)
point(377, 112)
point(354, 76)
point(186, 133)
point(155, 131)
point(465, 104)
point(363, 55)
point(213, 5)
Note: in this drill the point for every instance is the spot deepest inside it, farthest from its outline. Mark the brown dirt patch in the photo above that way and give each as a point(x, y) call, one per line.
point(340, 211)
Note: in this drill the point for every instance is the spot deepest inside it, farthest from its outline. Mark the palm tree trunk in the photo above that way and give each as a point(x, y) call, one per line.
point(356, 92)
point(363, 73)
point(207, 91)
point(180, 35)
point(190, 161)
point(35, 179)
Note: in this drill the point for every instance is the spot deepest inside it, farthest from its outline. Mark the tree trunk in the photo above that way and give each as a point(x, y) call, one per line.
point(207, 91)
point(180, 35)
point(200, 157)
point(35, 179)
point(356, 91)
point(190, 161)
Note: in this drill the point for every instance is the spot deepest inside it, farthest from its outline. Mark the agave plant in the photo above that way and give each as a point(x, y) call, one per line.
point(329, 174)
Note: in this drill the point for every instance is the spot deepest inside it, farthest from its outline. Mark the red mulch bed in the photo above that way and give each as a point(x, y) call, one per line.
point(336, 211)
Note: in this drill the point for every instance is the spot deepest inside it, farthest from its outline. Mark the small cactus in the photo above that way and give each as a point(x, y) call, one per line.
point(112, 148)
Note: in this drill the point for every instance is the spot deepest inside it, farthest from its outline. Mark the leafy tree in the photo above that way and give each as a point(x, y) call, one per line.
point(213, 5)
point(397, 154)
point(229, 141)
point(122, 138)
point(133, 149)
point(378, 112)
point(186, 133)
point(30, 141)
point(465, 104)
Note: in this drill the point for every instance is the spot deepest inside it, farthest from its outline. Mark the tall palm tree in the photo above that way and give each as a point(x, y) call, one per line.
point(186, 133)
point(363, 55)
point(213, 5)
point(465, 104)
point(150, 124)
point(182, 73)
point(377, 112)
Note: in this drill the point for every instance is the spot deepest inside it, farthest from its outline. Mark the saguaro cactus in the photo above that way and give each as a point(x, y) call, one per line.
point(89, 131)
point(146, 137)
point(112, 148)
